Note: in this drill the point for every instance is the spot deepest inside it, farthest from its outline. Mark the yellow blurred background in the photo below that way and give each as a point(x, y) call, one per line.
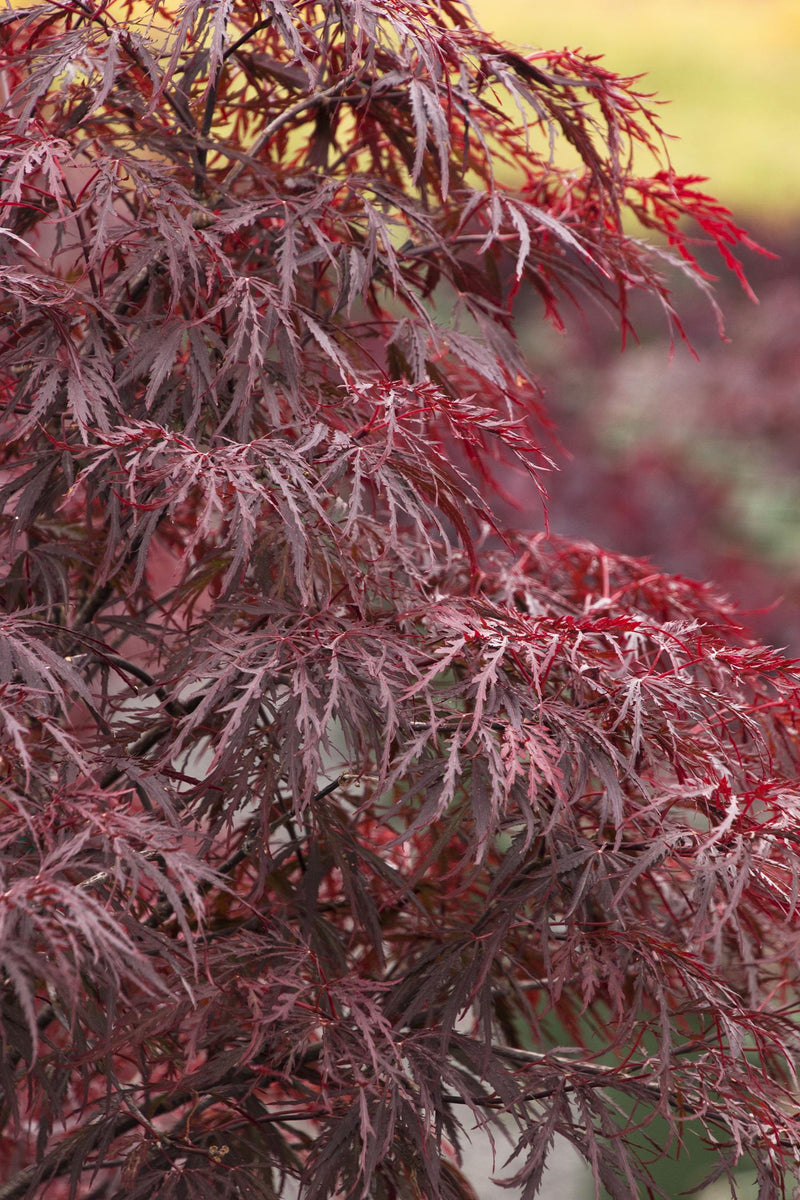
point(729, 70)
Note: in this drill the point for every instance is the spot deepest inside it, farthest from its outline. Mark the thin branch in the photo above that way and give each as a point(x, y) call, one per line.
point(141, 746)
point(83, 237)
point(288, 114)
point(92, 604)
point(264, 23)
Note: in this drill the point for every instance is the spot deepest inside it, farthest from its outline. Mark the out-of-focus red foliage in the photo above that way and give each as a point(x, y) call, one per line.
point(336, 820)
point(691, 463)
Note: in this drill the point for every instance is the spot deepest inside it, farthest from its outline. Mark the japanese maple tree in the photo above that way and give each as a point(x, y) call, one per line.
point(338, 821)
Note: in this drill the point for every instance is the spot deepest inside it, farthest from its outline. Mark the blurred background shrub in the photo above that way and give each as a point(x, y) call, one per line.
point(691, 462)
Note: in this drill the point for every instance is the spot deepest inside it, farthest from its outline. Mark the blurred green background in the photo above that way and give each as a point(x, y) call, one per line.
point(729, 70)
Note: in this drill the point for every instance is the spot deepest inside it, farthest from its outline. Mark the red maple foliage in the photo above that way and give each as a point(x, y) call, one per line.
point(336, 820)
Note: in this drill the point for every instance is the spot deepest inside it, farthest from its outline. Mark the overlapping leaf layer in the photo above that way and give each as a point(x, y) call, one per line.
point(336, 820)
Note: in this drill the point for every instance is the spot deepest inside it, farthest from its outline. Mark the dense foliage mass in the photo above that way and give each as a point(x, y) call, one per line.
point(336, 821)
